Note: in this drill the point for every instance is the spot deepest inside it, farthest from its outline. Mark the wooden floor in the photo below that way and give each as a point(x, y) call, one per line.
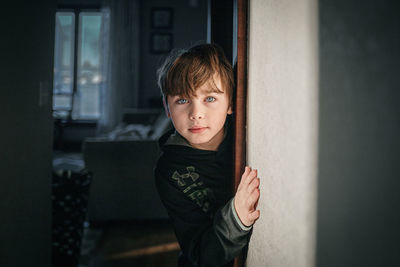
point(145, 244)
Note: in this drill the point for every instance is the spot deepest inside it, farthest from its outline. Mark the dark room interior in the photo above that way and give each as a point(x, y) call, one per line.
point(90, 101)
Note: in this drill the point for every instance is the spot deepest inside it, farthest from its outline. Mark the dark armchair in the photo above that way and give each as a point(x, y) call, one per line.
point(122, 165)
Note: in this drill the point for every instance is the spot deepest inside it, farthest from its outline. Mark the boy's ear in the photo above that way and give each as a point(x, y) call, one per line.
point(229, 110)
point(165, 104)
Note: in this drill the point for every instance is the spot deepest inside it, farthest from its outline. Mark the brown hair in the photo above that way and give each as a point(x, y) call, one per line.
point(186, 70)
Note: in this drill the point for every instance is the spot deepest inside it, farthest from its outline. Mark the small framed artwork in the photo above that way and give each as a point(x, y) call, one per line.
point(161, 17)
point(160, 42)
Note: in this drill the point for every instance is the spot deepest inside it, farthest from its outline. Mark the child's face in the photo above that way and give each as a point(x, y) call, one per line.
point(201, 118)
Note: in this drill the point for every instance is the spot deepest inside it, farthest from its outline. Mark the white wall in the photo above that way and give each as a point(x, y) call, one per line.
point(282, 129)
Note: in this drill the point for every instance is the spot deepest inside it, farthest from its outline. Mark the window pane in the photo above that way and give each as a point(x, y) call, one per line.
point(62, 101)
point(87, 101)
point(64, 53)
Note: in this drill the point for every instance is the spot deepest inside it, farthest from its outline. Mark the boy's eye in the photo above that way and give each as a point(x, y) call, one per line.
point(181, 101)
point(210, 99)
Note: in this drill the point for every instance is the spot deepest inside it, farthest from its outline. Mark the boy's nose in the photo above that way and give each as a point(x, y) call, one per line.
point(196, 116)
point(196, 113)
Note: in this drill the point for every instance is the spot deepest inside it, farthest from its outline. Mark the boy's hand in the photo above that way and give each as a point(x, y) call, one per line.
point(246, 198)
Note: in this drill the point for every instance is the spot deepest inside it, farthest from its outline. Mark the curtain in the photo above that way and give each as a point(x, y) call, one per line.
point(120, 34)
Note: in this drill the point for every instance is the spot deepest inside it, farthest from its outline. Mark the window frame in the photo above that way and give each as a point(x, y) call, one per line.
point(76, 10)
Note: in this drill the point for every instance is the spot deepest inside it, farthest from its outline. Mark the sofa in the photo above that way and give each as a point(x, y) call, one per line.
point(122, 163)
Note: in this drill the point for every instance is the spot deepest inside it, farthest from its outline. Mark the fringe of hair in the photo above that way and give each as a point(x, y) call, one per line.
point(184, 71)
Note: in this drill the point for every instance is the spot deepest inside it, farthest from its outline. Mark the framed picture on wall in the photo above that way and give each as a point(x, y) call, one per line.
point(160, 42)
point(161, 17)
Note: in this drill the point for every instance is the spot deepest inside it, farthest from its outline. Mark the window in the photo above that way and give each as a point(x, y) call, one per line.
point(78, 75)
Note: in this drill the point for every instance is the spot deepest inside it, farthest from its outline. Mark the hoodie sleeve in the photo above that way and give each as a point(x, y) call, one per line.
point(203, 240)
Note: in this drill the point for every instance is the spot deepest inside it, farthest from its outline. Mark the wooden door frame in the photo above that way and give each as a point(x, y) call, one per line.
point(241, 93)
point(241, 101)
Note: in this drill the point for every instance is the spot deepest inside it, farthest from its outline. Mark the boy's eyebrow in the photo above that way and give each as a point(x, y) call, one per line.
point(202, 91)
point(212, 90)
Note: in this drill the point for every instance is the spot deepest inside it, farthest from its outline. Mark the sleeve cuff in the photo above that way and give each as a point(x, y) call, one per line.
point(242, 226)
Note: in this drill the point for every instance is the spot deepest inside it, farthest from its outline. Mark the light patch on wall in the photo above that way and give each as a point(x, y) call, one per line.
point(282, 130)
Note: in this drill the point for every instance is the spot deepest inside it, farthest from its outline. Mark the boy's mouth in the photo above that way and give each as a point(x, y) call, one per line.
point(197, 129)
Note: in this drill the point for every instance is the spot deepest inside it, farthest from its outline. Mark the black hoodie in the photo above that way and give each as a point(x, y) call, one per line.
point(195, 186)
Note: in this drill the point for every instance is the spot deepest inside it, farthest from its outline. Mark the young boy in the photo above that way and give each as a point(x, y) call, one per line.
point(194, 173)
